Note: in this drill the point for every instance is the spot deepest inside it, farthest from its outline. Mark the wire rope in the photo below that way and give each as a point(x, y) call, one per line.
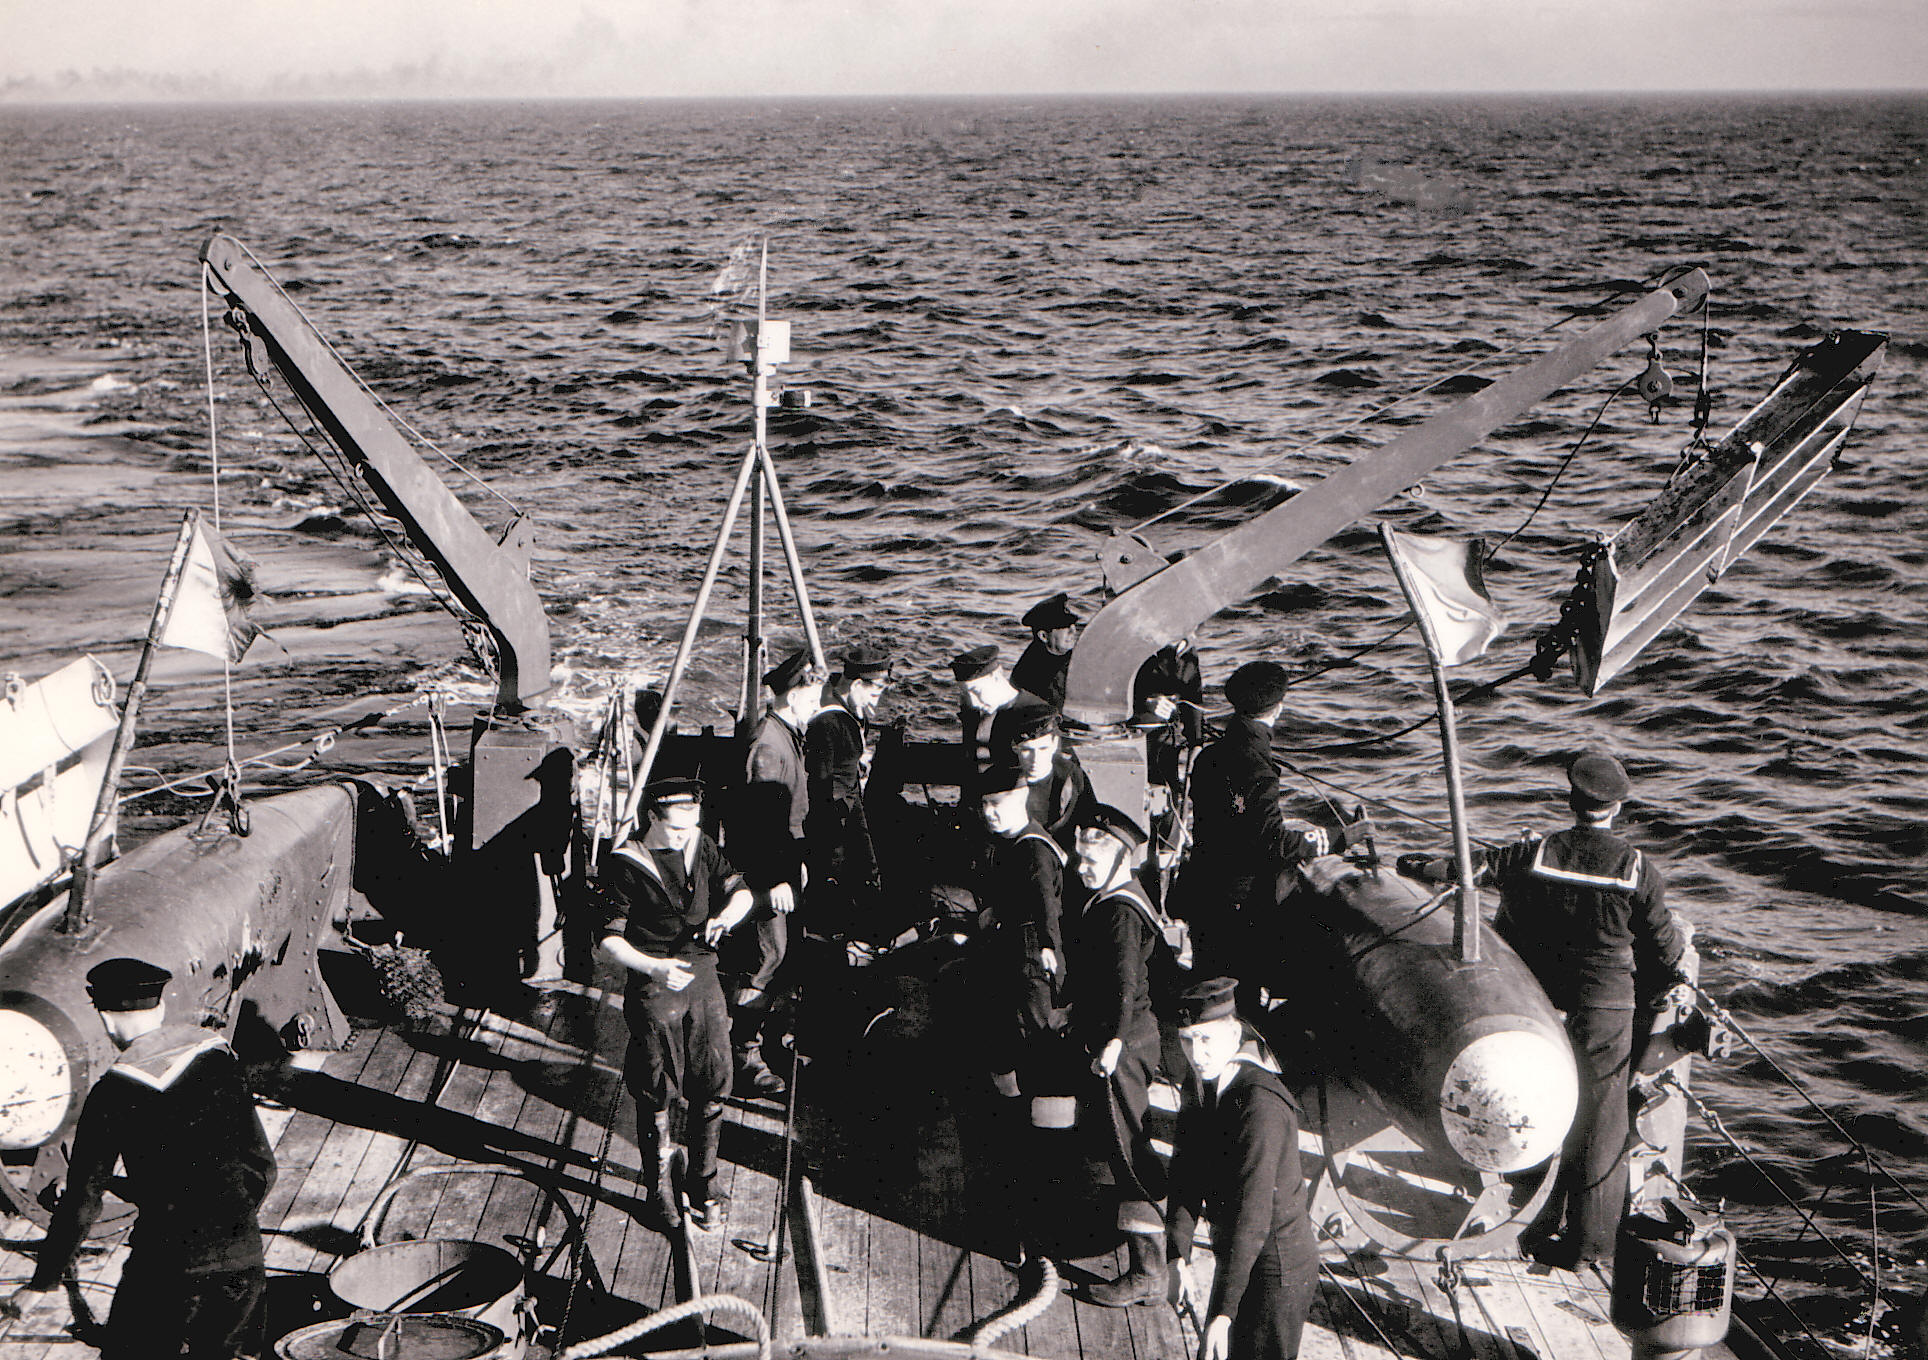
point(368, 391)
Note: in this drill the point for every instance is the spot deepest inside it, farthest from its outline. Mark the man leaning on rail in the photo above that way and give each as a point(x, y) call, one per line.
point(1587, 912)
point(175, 1112)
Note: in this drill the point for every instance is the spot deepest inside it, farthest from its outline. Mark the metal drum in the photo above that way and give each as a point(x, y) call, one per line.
point(396, 1336)
point(446, 1276)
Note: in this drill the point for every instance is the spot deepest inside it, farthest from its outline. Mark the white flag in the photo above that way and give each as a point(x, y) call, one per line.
point(1443, 580)
point(211, 602)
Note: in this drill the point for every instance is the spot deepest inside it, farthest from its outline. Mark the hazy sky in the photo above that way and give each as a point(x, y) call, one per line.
point(775, 47)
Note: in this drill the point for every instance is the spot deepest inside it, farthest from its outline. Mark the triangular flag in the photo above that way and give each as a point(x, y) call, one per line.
point(1444, 580)
point(211, 604)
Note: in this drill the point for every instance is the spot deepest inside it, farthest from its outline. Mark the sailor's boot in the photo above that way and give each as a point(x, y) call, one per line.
point(705, 1134)
point(653, 1142)
point(753, 1075)
point(1143, 1281)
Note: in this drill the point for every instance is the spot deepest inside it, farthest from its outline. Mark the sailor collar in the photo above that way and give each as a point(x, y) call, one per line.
point(157, 1060)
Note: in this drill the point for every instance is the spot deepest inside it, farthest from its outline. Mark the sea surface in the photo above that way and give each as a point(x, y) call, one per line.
point(1026, 324)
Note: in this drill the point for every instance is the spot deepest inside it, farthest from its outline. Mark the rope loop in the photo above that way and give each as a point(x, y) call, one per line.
point(702, 1304)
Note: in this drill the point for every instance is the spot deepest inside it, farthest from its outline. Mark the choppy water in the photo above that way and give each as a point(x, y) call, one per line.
point(1026, 324)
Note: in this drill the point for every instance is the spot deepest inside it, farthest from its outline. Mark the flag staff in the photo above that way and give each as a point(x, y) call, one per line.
point(1466, 918)
point(78, 916)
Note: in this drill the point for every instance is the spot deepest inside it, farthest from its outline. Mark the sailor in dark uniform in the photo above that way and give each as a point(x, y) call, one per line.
point(676, 897)
point(1241, 844)
point(1113, 944)
point(844, 887)
point(1237, 1161)
point(1028, 731)
point(1168, 704)
point(1054, 631)
point(765, 834)
point(174, 1111)
point(986, 689)
point(1587, 913)
point(1023, 957)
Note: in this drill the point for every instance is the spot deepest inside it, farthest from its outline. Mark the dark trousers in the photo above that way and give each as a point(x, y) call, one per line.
point(679, 1046)
point(1590, 1193)
point(159, 1310)
point(1278, 1296)
point(1024, 1021)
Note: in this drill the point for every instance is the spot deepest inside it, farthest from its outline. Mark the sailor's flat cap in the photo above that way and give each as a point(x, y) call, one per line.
point(1052, 613)
point(1000, 776)
point(864, 662)
point(1213, 999)
point(1023, 719)
point(666, 792)
point(126, 985)
point(1599, 778)
point(1256, 686)
point(978, 661)
point(792, 672)
point(1113, 822)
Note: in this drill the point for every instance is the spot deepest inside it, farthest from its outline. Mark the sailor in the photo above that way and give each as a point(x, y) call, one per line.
point(1168, 704)
point(844, 887)
point(1113, 945)
point(766, 837)
point(1237, 1160)
point(986, 688)
point(1029, 731)
point(1022, 890)
point(1587, 912)
point(1170, 689)
point(1054, 631)
point(1241, 844)
point(174, 1111)
point(675, 896)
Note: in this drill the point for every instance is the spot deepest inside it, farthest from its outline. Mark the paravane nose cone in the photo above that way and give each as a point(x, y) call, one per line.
point(1508, 1100)
point(36, 1083)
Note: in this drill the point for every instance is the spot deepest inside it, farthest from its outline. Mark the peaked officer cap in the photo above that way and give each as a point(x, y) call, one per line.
point(792, 672)
point(864, 662)
point(665, 792)
point(126, 985)
point(1001, 776)
point(1599, 778)
point(1108, 819)
point(1052, 613)
point(978, 661)
point(1256, 686)
point(1213, 999)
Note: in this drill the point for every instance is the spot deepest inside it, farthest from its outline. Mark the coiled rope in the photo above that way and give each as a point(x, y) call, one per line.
point(720, 1304)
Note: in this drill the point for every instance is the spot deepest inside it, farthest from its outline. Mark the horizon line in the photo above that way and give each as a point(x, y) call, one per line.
point(44, 98)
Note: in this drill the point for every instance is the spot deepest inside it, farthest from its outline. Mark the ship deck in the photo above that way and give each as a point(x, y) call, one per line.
point(890, 1175)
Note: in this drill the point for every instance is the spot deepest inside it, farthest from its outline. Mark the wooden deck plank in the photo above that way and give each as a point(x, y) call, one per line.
point(893, 1300)
point(993, 1289)
point(498, 1102)
point(304, 1132)
point(382, 1159)
point(843, 1240)
point(1103, 1331)
point(1461, 1324)
point(331, 1174)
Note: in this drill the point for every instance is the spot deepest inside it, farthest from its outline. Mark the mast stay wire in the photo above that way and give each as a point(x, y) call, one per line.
point(1465, 371)
point(325, 454)
point(370, 392)
point(233, 770)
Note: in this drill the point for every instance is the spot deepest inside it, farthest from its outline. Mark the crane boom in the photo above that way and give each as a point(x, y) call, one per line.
point(490, 578)
point(1177, 599)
